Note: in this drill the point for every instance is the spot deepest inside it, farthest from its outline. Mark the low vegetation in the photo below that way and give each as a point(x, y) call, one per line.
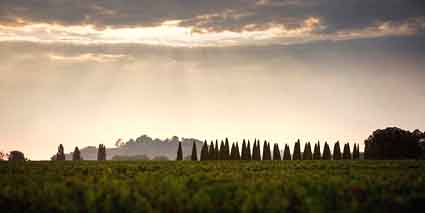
point(219, 186)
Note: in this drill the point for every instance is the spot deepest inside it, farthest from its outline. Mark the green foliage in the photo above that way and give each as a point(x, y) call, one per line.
point(287, 153)
point(101, 152)
point(346, 155)
point(194, 155)
point(231, 186)
point(337, 152)
point(297, 151)
point(276, 152)
point(179, 152)
point(76, 155)
point(204, 151)
point(316, 152)
point(327, 152)
point(61, 153)
point(307, 155)
point(211, 152)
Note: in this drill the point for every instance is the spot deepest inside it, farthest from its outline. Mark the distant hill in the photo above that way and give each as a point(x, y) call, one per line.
point(144, 145)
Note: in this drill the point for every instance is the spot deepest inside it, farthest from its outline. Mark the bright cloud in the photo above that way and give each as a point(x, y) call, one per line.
point(170, 33)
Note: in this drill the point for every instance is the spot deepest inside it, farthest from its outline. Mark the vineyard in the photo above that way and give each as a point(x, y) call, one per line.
point(213, 186)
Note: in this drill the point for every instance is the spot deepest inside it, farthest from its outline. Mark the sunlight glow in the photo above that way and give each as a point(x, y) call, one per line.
point(170, 33)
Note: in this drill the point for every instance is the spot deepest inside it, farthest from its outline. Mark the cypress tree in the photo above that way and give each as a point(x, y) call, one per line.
point(216, 151)
point(244, 154)
point(238, 155)
point(226, 150)
point(264, 150)
point(254, 150)
point(276, 152)
point(287, 153)
point(297, 151)
point(180, 152)
point(61, 153)
point(327, 152)
point(211, 152)
point(221, 155)
point(194, 155)
point(346, 155)
point(248, 151)
point(337, 151)
point(101, 152)
point(269, 153)
point(307, 152)
point(356, 152)
point(76, 155)
point(316, 154)
point(232, 152)
point(258, 151)
point(204, 151)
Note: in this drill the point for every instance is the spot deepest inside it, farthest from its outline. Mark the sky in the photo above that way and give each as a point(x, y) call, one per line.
point(87, 72)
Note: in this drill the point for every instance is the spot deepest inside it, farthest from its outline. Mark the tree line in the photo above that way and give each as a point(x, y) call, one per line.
point(224, 151)
point(76, 155)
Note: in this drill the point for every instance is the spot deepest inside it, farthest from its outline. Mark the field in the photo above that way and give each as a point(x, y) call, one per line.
point(215, 186)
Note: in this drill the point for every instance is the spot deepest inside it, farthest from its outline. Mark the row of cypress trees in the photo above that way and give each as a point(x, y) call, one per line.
point(223, 152)
point(76, 155)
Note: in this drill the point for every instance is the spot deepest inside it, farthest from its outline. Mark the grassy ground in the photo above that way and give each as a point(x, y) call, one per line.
point(216, 186)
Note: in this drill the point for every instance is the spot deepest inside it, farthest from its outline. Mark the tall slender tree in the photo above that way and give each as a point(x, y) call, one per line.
point(337, 152)
point(307, 152)
point(221, 155)
point(276, 152)
point(287, 153)
point(101, 152)
point(211, 152)
point(217, 151)
point(76, 155)
point(248, 151)
point(204, 151)
point(316, 154)
point(180, 152)
point(232, 152)
point(194, 155)
point(297, 151)
point(238, 155)
point(61, 153)
point(244, 155)
point(226, 150)
point(346, 155)
point(327, 152)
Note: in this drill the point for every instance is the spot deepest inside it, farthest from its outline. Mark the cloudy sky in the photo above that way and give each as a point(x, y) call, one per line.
point(84, 72)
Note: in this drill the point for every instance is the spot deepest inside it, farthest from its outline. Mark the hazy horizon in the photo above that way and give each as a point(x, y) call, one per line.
point(83, 74)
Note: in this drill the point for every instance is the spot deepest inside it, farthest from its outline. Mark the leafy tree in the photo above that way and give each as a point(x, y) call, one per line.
point(204, 151)
point(307, 152)
point(316, 153)
point(211, 152)
point(227, 149)
point(355, 152)
point(327, 152)
point(297, 151)
point(232, 152)
point(287, 153)
point(16, 156)
point(194, 155)
point(180, 152)
point(346, 155)
point(61, 154)
point(3, 156)
point(276, 152)
point(393, 143)
point(337, 152)
point(76, 155)
point(101, 152)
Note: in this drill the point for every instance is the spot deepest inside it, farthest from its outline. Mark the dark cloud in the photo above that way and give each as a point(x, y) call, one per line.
point(216, 15)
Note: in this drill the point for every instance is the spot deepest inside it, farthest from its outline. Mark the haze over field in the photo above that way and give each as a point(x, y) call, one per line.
point(82, 73)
